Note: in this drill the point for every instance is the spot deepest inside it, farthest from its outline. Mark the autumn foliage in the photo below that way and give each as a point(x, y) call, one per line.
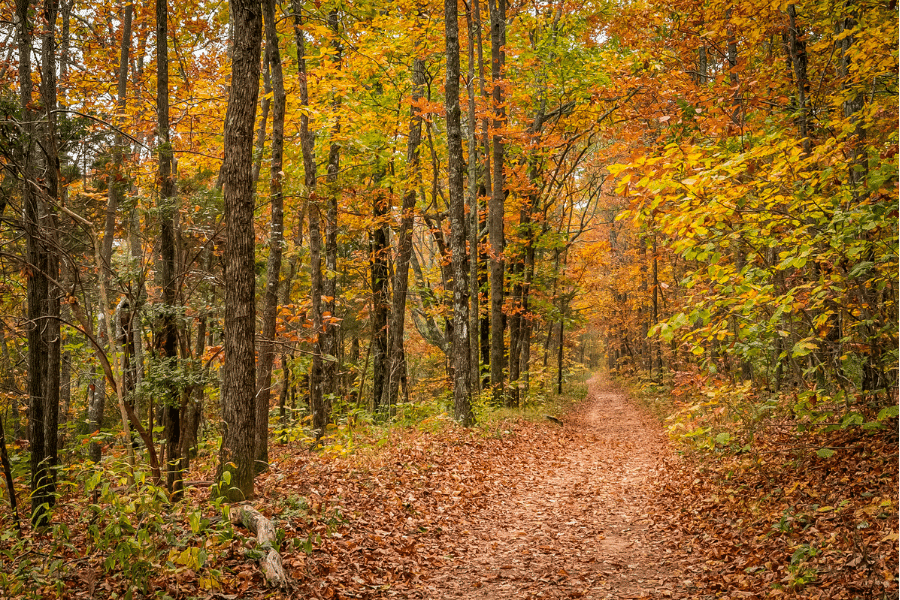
point(282, 234)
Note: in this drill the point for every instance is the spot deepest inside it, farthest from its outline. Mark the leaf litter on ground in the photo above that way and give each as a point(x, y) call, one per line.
point(602, 507)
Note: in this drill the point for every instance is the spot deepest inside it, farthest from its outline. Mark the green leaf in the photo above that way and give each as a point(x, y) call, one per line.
point(723, 438)
point(802, 348)
point(93, 481)
point(825, 452)
point(888, 412)
point(194, 521)
point(853, 418)
point(861, 268)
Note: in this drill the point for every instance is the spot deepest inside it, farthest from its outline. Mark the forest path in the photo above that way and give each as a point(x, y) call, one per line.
point(576, 524)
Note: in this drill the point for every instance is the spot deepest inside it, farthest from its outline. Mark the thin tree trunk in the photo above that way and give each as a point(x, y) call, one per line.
point(318, 407)
point(329, 286)
point(525, 342)
point(51, 179)
point(285, 392)
point(114, 198)
point(797, 50)
point(238, 407)
point(858, 166)
point(515, 329)
point(65, 397)
point(396, 348)
point(168, 333)
point(462, 407)
point(276, 244)
point(379, 254)
point(496, 205)
point(7, 473)
point(36, 278)
point(702, 65)
point(95, 409)
point(474, 222)
point(265, 103)
point(482, 257)
point(559, 355)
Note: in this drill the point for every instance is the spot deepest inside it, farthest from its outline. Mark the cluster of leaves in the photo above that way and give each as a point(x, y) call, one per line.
point(778, 495)
point(756, 195)
point(787, 520)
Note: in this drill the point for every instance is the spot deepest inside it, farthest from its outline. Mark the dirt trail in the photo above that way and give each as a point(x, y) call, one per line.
point(574, 525)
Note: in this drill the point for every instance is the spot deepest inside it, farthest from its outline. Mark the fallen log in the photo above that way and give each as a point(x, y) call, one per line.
point(270, 563)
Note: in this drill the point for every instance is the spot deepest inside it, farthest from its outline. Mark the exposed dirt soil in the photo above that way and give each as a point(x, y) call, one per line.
point(574, 523)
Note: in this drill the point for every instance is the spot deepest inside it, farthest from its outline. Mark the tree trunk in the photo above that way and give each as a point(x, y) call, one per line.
point(36, 279)
point(320, 415)
point(559, 355)
point(797, 51)
point(276, 245)
point(168, 332)
point(238, 407)
point(379, 254)
point(496, 205)
point(65, 397)
point(462, 407)
point(95, 409)
point(7, 475)
point(329, 286)
point(51, 179)
point(474, 224)
point(265, 104)
point(396, 349)
point(193, 412)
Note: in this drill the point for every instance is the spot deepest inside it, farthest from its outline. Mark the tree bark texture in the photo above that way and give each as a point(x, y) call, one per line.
point(238, 406)
point(379, 252)
point(462, 407)
point(265, 104)
point(276, 243)
point(37, 258)
point(474, 225)
point(797, 52)
point(51, 181)
point(497, 200)
point(329, 285)
point(167, 337)
point(320, 413)
point(396, 347)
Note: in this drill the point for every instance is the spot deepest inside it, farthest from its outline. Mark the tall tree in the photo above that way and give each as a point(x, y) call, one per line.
point(238, 403)
point(497, 200)
point(167, 336)
point(38, 285)
point(51, 191)
point(379, 255)
point(462, 407)
point(320, 413)
point(330, 338)
point(472, 172)
point(276, 243)
point(396, 350)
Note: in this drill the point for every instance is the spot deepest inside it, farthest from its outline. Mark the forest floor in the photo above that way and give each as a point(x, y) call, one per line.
point(576, 523)
point(526, 511)
point(602, 506)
